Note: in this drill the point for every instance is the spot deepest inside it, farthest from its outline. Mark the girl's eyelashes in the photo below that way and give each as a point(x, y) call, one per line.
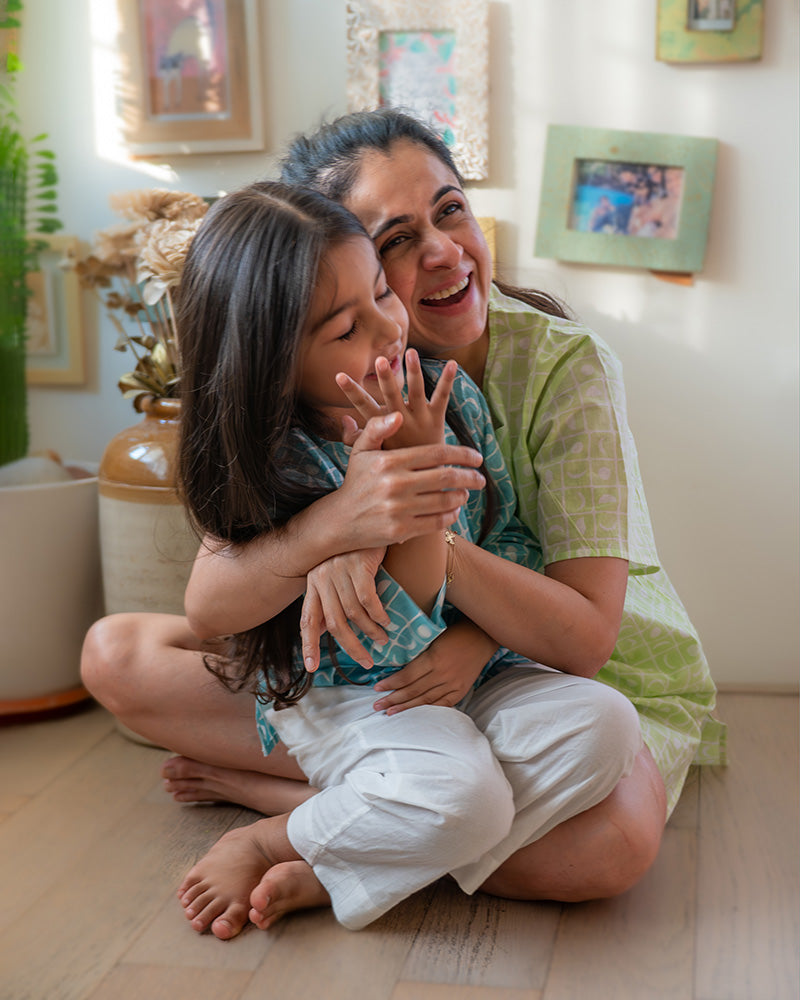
point(350, 333)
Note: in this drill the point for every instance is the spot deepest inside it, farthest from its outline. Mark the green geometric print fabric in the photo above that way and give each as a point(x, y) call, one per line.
point(557, 400)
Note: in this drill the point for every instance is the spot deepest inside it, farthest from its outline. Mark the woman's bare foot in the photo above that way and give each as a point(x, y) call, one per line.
point(188, 780)
point(216, 892)
point(286, 887)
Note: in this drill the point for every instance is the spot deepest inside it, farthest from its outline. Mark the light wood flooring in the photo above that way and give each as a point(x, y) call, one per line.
point(91, 850)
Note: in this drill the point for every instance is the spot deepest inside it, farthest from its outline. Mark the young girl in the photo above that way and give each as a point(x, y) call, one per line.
point(283, 302)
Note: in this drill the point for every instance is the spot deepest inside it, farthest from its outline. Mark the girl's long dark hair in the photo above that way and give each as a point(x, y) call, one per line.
point(329, 160)
point(242, 308)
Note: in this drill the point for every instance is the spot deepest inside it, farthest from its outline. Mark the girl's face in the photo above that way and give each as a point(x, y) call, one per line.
point(355, 319)
point(432, 249)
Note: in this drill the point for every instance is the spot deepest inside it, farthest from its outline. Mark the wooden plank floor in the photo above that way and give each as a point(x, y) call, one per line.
point(91, 850)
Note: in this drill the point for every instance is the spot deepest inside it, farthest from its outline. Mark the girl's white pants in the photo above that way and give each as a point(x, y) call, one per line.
point(410, 797)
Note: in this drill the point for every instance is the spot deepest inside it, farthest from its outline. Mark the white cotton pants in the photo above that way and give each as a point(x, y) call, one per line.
point(410, 797)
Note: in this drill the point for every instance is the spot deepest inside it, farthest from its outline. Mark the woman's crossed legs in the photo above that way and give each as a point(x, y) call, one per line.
point(147, 670)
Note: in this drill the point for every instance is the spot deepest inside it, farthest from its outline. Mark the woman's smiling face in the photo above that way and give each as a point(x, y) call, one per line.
point(430, 244)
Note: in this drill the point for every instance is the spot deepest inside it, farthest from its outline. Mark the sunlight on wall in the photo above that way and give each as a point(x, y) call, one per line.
point(109, 141)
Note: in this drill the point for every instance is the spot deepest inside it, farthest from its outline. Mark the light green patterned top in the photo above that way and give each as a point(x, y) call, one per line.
point(557, 400)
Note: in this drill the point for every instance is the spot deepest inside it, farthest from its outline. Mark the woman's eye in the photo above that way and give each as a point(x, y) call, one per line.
point(450, 208)
point(391, 243)
point(385, 294)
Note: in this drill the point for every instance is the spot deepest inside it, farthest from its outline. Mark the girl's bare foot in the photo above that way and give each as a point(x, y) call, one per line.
point(188, 780)
point(286, 887)
point(216, 892)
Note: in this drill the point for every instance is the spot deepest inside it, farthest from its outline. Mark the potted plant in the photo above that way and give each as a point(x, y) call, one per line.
point(49, 574)
point(147, 544)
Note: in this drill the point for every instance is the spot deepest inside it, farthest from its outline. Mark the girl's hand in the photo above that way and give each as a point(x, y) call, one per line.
point(423, 419)
point(339, 591)
point(442, 675)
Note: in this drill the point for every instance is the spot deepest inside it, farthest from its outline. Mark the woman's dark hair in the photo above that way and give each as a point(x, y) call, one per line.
point(329, 160)
point(242, 308)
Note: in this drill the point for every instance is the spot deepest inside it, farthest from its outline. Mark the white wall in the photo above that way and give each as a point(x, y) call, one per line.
point(711, 370)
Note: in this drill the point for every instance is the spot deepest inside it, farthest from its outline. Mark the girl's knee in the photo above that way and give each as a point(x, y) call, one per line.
point(482, 803)
point(612, 727)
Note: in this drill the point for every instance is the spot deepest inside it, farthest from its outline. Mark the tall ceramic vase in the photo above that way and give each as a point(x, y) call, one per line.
point(147, 544)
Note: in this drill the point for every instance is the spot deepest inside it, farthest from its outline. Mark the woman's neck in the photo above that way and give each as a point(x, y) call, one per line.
point(472, 358)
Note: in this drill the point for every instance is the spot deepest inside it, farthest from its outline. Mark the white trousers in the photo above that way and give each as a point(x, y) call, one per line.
point(408, 798)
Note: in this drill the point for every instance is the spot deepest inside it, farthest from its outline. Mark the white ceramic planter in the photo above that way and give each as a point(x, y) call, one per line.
point(50, 590)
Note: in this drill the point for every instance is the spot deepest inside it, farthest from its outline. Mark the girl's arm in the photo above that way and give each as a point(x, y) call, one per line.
point(386, 497)
point(419, 564)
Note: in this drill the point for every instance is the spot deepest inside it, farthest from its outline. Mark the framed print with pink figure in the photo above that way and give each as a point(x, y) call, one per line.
point(429, 58)
point(189, 76)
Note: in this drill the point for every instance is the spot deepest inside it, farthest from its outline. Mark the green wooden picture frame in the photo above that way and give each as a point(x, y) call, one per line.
point(659, 188)
point(677, 42)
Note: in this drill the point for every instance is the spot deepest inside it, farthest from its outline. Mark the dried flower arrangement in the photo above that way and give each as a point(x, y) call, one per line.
point(132, 268)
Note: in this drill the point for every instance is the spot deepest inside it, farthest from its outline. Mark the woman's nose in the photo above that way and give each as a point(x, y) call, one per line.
point(439, 250)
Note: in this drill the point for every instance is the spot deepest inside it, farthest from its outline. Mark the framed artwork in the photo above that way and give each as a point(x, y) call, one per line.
point(628, 199)
point(55, 337)
point(429, 57)
point(709, 30)
point(189, 76)
point(488, 225)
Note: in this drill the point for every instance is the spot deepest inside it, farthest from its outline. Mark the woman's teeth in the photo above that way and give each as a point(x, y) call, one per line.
point(447, 292)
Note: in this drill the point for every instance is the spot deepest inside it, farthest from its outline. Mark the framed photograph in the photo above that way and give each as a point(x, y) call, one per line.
point(189, 78)
point(429, 57)
point(709, 30)
point(627, 199)
point(55, 336)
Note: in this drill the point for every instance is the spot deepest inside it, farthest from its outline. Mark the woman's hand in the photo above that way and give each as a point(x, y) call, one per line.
point(339, 591)
point(391, 496)
point(423, 418)
point(443, 674)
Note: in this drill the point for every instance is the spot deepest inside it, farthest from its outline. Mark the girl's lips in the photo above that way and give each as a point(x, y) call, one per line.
point(449, 296)
point(395, 364)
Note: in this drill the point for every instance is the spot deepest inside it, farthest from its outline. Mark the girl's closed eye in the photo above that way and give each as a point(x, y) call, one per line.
point(348, 334)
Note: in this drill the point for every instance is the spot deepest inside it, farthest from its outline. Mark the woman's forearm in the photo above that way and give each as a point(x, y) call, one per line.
point(567, 618)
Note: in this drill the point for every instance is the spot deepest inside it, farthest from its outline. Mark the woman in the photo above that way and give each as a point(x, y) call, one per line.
point(402, 183)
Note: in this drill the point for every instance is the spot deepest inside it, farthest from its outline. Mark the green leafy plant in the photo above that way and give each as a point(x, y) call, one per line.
point(27, 205)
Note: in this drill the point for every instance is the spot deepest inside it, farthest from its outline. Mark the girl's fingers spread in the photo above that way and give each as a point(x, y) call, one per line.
point(444, 386)
point(390, 390)
point(357, 396)
point(415, 383)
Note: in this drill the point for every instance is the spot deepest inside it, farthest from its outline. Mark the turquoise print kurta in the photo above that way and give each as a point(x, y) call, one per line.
point(557, 401)
point(318, 461)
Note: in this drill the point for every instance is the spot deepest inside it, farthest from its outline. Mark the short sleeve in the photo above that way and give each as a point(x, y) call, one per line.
point(556, 394)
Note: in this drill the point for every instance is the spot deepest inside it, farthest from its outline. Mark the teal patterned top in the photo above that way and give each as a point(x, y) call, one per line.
point(557, 400)
point(318, 461)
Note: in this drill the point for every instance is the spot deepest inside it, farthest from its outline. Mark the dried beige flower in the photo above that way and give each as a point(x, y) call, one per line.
point(162, 253)
point(140, 260)
point(157, 203)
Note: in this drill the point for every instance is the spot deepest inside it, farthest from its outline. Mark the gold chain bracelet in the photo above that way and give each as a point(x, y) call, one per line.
point(450, 538)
